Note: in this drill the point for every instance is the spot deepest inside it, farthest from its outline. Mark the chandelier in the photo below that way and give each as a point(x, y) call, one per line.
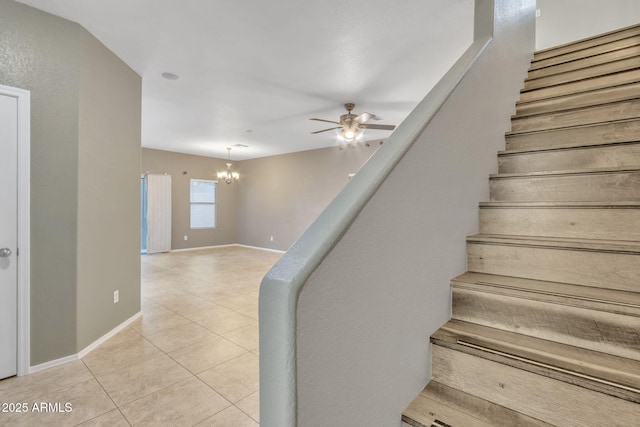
point(228, 176)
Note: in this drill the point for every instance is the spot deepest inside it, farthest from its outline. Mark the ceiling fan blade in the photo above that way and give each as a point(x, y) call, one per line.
point(380, 127)
point(325, 130)
point(323, 120)
point(365, 117)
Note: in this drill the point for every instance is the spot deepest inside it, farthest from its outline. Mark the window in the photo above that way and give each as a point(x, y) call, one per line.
point(203, 203)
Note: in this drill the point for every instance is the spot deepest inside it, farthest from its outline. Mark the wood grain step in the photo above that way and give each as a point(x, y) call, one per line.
point(584, 85)
point(576, 136)
point(608, 221)
point(589, 157)
point(604, 373)
point(538, 396)
point(572, 101)
point(602, 185)
point(590, 61)
point(566, 316)
point(610, 300)
point(598, 47)
point(449, 406)
point(606, 69)
point(614, 111)
point(588, 42)
point(596, 263)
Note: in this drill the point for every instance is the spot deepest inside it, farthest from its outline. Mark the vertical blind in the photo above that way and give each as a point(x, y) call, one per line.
point(158, 213)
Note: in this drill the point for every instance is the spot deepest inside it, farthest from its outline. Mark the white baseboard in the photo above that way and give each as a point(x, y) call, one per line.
point(227, 246)
point(108, 335)
point(262, 249)
point(87, 349)
point(52, 363)
point(203, 247)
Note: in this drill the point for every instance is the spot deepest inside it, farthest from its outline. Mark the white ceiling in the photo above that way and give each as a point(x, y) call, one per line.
point(254, 72)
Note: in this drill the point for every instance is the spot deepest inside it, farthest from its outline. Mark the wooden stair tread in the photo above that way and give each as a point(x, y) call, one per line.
point(579, 205)
point(437, 402)
point(560, 402)
point(567, 172)
point(577, 108)
point(620, 301)
point(587, 127)
point(581, 76)
point(572, 101)
point(615, 111)
point(626, 53)
point(581, 87)
point(599, 70)
point(617, 246)
point(564, 147)
point(599, 39)
point(583, 50)
point(567, 158)
point(541, 356)
point(587, 220)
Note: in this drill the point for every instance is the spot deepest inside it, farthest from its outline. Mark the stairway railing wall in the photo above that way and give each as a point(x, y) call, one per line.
point(346, 314)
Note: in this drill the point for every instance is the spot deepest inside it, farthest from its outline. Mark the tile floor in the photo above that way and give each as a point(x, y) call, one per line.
point(192, 359)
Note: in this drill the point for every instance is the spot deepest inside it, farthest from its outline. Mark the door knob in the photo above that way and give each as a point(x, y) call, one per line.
point(5, 252)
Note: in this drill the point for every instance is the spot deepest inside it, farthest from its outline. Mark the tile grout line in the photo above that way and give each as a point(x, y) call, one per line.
point(108, 395)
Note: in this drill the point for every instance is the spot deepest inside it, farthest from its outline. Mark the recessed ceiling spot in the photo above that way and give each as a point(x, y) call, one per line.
point(170, 76)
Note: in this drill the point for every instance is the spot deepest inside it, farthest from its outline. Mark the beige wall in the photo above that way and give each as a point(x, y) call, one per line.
point(108, 192)
point(276, 196)
point(566, 21)
point(183, 168)
point(281, 196)
point(46, 55)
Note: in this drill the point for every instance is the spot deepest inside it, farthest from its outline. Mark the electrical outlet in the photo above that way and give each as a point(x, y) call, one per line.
point(186, 237)
point(116, 296)
point(537, 13)
point(271, 238)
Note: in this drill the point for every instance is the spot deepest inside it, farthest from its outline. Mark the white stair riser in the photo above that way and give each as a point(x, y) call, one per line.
point(601, 187)
point(544, 398)
point(583, 116)
point(606, 156)
point(604, 133)
point(581, 223)
point(601, 331)
point(591, 61)
point(609, 270)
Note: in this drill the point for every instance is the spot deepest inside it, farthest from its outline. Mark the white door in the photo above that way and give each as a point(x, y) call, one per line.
point(8, 235)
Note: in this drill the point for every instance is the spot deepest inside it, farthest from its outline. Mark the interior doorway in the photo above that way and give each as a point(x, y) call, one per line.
point(14, 231)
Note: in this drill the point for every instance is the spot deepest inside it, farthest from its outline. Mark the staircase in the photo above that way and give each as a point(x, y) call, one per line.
point(545, 327)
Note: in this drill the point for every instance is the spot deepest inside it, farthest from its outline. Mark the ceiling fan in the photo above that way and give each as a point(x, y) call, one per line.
point(353, 124)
